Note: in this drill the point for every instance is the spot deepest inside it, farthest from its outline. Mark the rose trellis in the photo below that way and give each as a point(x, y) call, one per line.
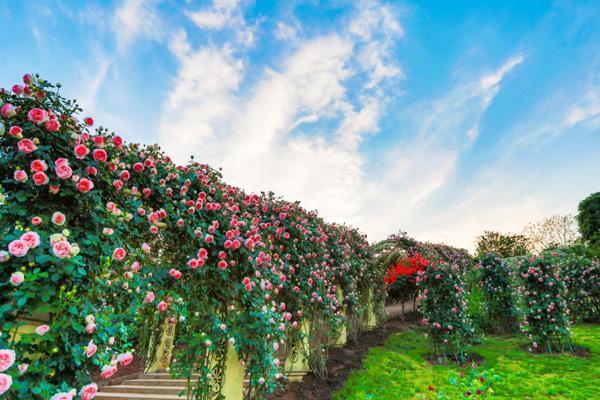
point(102, 243)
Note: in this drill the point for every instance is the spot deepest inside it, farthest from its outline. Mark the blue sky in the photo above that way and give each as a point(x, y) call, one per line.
point(439, 118)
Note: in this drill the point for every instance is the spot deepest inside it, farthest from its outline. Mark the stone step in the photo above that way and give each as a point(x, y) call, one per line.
point(162, 375)
point(136, 396)
point(144, 389)
point(155, 382)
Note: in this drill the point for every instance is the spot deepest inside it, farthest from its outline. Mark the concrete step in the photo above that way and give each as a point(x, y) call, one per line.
point(155, 382)
point(144, 389)
point(136, 396)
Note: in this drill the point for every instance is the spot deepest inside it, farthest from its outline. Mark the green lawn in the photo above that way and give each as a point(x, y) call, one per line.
point(397, 370)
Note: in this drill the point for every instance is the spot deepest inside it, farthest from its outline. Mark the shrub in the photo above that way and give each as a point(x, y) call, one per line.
point(442, 296)
point(400, 279)
point(545, 317)
point(501, 312)
point(589, 219)
point(582, 279)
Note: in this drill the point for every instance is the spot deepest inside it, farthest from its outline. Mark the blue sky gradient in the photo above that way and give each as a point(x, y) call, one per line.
point(442, 119)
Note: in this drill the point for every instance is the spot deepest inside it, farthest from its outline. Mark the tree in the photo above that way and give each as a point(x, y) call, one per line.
point(589, 218)
point(557, 231)
point(503, 244)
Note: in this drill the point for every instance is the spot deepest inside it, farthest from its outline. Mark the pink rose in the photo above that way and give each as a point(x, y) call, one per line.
point(61, 161)
point(42, 329)
point(58, 218)
point(16, 279)
point(36, 221)
point(126, 359)
point(20, 176)
point(5, 383)
point(98, 141)
point(117, 141)
point(37, 115)
point(90, 349)
point(81, 151)
point(85, 185)
point(63, 171)
point(61, 249)
point(16, 132)
point(119, 253)
point(40, 178)
point(22, 368)
point(90, 328)
point(91, 171)
point(88, 392)
point(38, 165)
point(52, 125)
point(108, 371)
point(149, 297)
point(135, 266)
point(26, 146)
point(162, 306)
point(31, 238)
point(18, 248)
point(7, 359)
point(100, 155)
point(8, 110)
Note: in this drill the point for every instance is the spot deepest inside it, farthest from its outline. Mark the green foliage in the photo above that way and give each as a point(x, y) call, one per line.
point(505, 245)
point(443, 304)
point(589, 218)
point(545, 319)
point(582, 279)
point(501, 312)
point(399, 370)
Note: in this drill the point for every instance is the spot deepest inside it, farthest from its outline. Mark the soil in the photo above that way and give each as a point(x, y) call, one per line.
point(341, 362)
point(578, 351)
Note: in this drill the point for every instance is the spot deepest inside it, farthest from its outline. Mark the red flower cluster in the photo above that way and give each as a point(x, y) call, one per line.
point(406, 267)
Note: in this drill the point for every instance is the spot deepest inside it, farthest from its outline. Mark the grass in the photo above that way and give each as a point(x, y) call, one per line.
point(398, 370)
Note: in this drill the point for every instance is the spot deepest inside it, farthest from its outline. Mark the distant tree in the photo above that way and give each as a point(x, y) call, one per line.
point(503, 244)
point(589, 219)
point(557, 231)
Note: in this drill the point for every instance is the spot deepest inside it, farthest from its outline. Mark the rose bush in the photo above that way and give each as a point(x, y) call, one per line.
point(582, 279)
point(443, 304)
point(104, 242)
point(546, 314)
point(500, 306)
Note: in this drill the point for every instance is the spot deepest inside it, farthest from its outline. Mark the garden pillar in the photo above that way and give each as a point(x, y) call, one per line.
point(164, 350)
point(342, 338)
point(233, 380)
point(296, 363)
point(369, 320)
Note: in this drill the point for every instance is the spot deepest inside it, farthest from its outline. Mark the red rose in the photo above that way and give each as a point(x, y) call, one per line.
point(85, 185)
point(100, 155)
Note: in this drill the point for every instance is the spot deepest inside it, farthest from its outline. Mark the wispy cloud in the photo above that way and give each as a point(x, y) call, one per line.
point(134, 19)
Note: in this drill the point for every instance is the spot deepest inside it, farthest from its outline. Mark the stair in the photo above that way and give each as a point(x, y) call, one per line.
point(151, 386)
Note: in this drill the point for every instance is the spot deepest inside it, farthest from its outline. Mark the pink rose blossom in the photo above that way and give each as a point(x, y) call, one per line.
point(108, 371)
point(40, 178)
point(38, 165)
point(16, 132)
point(31, 238)
point(18, 248)
point(37, 115)
point(63, 171)
point(85, 185)
point(81, 151)
point(126, 359)
point(90, 328)
point(20, 176)
point(119, 253)
point(36, 221)
point(8, 110)
point(5, 383)
point(162, 306)
point(22, 368)
point(149, 297)
point(58, 218)
point(61, 161)
point(52, 125)
point(42, 329)
point(62, 396)
point(100, 155)
point(90, 349)
point(88, 392)
point(7, 359)
point(16, 279)
point(61, 249)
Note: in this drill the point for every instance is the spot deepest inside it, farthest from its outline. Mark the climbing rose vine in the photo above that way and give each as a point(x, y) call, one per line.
point(106, 243)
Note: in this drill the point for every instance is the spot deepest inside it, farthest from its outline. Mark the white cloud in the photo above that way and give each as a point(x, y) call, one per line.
point(135, 18)
point(286, 32)
point(225, 14)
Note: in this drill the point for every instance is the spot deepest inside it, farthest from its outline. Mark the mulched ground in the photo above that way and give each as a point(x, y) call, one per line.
point(341, 362)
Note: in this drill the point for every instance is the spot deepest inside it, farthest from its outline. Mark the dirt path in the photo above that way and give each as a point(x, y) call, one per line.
point(342, 361)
